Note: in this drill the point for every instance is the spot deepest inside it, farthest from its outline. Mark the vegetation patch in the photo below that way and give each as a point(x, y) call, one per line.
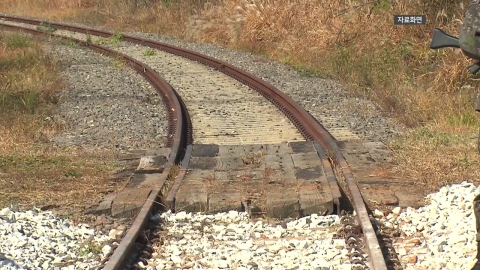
point(32, 171)
point(149, 52)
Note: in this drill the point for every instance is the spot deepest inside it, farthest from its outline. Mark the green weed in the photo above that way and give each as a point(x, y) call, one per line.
point(101, 41)
point(465, 119)
point(45, 26)
point(17, 41)
point(149, 52)
point(116, 38)
point(90, 248)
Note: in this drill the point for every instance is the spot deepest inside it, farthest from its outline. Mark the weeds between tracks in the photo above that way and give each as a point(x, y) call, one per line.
point(32, 172)
point(354, 41)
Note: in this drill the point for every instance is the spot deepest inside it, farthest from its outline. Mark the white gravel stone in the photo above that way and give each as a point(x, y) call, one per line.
point(440, 235)
point(232, 241)
point(40, 240)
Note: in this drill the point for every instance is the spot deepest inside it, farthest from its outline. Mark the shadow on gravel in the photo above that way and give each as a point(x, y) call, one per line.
point(5, 262)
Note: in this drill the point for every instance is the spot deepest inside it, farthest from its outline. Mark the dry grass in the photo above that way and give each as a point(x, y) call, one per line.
point(254, 159)
point(353, 41)
point(436, 157)
point(31, 171)
point(171, 178)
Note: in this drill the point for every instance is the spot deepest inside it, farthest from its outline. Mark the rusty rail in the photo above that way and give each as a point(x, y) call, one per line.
point(306, 124)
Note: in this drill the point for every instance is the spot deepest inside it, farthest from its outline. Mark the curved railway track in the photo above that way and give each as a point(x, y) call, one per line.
point(198, 133)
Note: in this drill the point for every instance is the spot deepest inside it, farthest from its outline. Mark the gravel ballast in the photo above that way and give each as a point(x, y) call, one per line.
point(232, 241)
point(107, 105)
point(440, 235)
point(41, 240)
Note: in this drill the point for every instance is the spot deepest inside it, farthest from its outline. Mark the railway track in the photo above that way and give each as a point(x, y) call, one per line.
point(218, 131)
